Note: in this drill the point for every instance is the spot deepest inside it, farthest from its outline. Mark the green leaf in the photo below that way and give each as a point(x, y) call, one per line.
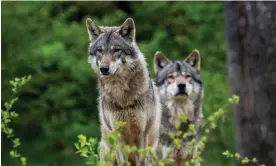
point(245, 160)
point(82, 140)
point(84, 151)
point(77, 146)
point(23, 160)
point(16, 142)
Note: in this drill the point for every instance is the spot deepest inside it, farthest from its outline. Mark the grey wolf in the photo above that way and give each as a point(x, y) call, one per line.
point(180, 88)
point(126, 91)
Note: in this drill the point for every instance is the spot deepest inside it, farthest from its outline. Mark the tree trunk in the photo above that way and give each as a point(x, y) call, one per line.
point(251, 52)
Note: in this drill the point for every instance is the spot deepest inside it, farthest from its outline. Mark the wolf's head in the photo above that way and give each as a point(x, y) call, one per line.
point(111, 48)
point(178, 79)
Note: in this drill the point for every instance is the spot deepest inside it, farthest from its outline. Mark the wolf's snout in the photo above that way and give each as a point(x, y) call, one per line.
point(181, 87)
point(104, 70)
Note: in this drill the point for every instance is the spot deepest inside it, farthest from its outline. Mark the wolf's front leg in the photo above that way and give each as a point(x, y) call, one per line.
point(197, 164)
point(103, 148)
point(120, 156)
point(150, 140)
point(141, 160)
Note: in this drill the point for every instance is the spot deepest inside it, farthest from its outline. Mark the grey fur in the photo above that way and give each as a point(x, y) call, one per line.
point(169, 75)
point(126, 92)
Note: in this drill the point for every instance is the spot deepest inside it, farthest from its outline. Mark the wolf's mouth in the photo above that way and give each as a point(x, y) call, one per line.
point(181, 94)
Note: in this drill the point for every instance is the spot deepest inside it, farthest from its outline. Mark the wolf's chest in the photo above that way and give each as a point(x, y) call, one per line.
point(174, 110)
point(134, 127)
point(131, 133)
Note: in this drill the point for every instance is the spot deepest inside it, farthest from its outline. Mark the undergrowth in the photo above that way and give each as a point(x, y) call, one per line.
point(89, 147)
point(7, 116)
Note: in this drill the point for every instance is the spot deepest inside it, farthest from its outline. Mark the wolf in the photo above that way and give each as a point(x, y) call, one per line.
point(126, 92)
point(180, 87)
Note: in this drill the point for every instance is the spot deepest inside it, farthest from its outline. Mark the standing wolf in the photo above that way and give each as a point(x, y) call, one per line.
point(126, 91)
point(180, 87)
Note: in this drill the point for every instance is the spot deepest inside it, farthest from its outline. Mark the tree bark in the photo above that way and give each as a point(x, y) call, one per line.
point(251, 53)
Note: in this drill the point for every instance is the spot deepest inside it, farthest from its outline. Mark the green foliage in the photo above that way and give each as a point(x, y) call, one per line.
point(49, 40)
point(243, 160)
point(90, 151)
point(87, 148)
point(7, 116)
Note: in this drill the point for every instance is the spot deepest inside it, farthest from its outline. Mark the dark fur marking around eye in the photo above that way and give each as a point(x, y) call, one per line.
point(194, 73)
point(176, 66)
point(162, 74)
point(120, 42)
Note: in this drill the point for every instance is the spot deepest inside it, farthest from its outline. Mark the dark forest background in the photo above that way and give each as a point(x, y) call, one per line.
point(49, 41)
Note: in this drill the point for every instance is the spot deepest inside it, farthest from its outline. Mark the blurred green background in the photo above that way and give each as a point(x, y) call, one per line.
point(49, 41)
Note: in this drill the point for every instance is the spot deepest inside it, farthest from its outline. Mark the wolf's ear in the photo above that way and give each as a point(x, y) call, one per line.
point(194, 59)
point(127, 30)
point(93, 30)
point(160, 61)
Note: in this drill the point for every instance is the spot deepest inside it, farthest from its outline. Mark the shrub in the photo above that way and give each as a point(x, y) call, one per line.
point(7, 116)
point(88, 147)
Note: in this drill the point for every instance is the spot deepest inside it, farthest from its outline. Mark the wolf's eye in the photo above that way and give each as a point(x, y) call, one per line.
point(116, 50)
point(187, 75)
point(170, 76)
point(99, 50)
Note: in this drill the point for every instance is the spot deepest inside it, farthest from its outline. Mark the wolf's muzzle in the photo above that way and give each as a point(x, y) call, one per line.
point(181, 89)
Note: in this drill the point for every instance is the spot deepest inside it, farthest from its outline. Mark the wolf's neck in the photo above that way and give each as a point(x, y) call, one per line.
point(176, 107)
point(126, 88)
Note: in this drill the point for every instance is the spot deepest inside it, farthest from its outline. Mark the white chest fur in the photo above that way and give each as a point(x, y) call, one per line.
point(178, 106)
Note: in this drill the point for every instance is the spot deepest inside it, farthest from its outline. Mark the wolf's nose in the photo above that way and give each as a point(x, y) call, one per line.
point(181, 87)
point(104, 70)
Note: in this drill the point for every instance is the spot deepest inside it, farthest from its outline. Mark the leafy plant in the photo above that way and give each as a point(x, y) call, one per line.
point(243, 160)
point(87, 147)
point(7, 116)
